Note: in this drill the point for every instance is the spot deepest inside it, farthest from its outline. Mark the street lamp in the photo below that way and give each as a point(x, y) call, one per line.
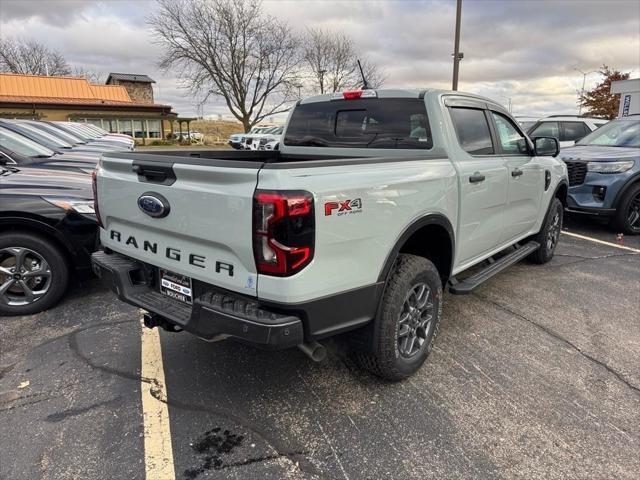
point(508, 98)
point(584, 79)
point(457, 54)
point(321, 75)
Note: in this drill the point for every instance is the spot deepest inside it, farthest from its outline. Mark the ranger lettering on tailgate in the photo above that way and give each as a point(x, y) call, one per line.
point(171, 253)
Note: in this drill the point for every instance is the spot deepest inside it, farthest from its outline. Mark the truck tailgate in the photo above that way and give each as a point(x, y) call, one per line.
point(205, 235)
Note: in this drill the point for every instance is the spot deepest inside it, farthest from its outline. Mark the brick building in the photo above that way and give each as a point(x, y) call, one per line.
point(138, 86)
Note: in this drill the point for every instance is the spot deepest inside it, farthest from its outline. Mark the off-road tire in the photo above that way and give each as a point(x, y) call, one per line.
point(549, 228)
point(621, 219)
point(57, 264)
point(386, 361)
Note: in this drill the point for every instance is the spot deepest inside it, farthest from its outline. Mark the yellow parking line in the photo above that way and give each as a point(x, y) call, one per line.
point(595, 240)
point(158, 451)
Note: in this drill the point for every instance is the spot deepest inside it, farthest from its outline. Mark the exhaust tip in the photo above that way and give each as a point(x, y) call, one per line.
point(314, 350)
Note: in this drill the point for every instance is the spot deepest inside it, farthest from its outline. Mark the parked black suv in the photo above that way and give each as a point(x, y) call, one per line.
point(48, 230)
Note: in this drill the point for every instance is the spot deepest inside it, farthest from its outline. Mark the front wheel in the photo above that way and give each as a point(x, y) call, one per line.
point(627, 218)
point(549, 234)
point(33, 274)
point(408, 320)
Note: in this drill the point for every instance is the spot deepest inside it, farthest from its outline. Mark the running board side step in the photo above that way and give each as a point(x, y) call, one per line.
point(493, 268)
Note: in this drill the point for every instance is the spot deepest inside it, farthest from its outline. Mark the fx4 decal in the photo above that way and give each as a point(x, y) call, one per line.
point(343, 207)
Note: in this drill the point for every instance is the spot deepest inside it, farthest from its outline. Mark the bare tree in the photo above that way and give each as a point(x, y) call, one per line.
point(31, 57)
point(331, 61)
point(92, 76)
point(232, 49)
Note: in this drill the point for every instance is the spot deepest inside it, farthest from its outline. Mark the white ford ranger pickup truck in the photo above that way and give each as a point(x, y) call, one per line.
point(376, 202)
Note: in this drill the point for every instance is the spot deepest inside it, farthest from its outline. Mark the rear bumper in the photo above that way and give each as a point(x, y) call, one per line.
point(214, 312)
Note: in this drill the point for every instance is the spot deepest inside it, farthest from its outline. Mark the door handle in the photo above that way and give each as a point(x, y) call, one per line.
point(476, 178)
point(516, 173)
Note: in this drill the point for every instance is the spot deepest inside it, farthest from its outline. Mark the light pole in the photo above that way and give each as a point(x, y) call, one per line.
point(321, 75)
point(584, 79)
point(457, 55)
point(509, 99)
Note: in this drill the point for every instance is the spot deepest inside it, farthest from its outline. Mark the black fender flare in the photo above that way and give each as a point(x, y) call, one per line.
point(367, 336)
point(560, 184)
point(429, 219)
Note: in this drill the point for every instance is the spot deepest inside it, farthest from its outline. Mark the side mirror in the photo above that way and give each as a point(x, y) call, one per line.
point(546, 146)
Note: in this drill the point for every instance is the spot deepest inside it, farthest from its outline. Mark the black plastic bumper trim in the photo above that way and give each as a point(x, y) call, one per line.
point(601, 212)
point(214, 313)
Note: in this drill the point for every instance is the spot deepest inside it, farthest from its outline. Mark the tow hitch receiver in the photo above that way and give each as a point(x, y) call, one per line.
point(152, 320)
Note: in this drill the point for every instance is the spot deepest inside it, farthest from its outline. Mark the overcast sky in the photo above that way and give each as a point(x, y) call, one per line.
point(519, 49)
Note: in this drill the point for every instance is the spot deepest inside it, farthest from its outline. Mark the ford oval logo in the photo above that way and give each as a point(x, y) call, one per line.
point(154, 205)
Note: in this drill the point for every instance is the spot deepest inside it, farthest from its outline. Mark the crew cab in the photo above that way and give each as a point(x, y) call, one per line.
point(376, 202)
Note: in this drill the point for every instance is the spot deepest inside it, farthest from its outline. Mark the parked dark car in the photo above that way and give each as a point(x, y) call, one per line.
point(48, 230)
point(604, 174)
point(23, 152)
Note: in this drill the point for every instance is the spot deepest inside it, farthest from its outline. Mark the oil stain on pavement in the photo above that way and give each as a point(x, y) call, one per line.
point(210, 448)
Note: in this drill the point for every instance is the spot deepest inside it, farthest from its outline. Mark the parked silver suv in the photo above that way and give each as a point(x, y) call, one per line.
point(568, 129)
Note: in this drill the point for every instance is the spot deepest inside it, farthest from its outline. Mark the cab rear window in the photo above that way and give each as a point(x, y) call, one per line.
point(390, 123)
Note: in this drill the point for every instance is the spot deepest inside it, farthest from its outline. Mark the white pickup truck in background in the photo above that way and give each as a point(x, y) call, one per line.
point(238, 140)
point(259, 140)
point(376, 202)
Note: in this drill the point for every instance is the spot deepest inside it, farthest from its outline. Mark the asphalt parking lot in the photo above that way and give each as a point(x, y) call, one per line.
point(535, 375)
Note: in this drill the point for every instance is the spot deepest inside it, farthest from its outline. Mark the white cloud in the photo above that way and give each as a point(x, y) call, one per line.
point(524, 50)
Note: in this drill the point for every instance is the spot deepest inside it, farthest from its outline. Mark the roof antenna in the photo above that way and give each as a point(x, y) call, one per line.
point(365, 85)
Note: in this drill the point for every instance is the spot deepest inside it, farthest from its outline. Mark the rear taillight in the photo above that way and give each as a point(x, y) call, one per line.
point(94, 186)
point(283, 231)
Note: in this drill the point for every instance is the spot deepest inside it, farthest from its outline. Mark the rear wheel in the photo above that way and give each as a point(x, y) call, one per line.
point(408, 320)
point(33, 274)
point(627, 218)
point(549, 234)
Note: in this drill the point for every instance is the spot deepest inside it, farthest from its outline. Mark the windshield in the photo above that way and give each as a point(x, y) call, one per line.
point(259, 129)
point(623, 132)
point(390, 123)
point(41, 136)
point(93, 128)
point(72, 139)
point(74, 130)
point(22, 145)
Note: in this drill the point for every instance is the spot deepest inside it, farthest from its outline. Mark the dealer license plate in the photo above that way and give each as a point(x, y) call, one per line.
point(176, 286)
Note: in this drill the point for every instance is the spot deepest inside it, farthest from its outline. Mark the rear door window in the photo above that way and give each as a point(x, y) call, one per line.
point(546, 129)
point(573, 131)
point(472, 130)
point(389, 123)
